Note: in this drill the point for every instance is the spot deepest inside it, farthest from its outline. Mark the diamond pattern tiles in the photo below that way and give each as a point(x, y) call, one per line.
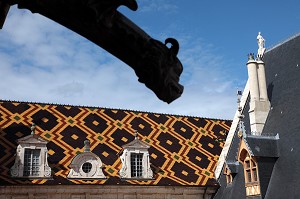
point(184, 150)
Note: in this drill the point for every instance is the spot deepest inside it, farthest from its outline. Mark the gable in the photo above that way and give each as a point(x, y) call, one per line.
point(136, 143)
point(32, 139)
point(185, 149)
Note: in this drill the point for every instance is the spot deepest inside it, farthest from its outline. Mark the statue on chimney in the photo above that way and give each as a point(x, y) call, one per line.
point(261, 46)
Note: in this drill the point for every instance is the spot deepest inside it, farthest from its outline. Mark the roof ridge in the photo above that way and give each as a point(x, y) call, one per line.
point(282, 42)
point(99, 107)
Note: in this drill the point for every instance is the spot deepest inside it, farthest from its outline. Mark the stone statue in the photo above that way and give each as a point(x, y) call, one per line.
point(261, 46)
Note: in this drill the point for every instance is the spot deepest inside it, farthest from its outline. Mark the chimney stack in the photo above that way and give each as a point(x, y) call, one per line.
point(259, 102)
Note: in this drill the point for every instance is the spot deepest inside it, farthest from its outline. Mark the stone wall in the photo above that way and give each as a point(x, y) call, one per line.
point(104, 192)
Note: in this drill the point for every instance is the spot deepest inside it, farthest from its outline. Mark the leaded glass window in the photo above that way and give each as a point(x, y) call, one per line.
point(31, 162)
point(87, 167)
point(136, 164)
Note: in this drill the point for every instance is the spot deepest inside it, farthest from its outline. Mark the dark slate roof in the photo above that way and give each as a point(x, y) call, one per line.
point(184, 149)
point(263, 146)
point(282, 73)
point(279, 176)
point(233, 166)
point(283, 81)
point(232, 153)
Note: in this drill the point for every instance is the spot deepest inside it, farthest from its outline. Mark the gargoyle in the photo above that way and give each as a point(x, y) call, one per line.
point(156, 65)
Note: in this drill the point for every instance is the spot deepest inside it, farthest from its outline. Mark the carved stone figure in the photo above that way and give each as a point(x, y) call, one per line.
point(156, 65)
point(261, 46)
point(123, 172)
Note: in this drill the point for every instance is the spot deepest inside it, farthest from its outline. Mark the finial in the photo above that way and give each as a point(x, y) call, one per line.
point(239, 95)
point(251, 57)
point(87, 146)
point(136, 135)
point(32, 128)
point(241, 131)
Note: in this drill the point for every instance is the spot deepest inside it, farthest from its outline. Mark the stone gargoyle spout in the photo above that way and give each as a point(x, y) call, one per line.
point(156, 65)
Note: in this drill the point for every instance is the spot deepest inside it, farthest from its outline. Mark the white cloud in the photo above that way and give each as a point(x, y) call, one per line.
point(166, 6)
point(44, 62)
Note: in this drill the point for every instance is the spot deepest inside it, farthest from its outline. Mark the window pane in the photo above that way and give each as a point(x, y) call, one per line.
point(248, 173)
point(253, 163)
point(31, 162)
point(87, 167)
point(254, 175)
point(247, 164)
point(229, 178)
point(136, 164)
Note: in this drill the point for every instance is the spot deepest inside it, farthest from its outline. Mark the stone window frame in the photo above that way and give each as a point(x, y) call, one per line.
point(135, 147)
point(250, 170)
point(228, 175)
point(86, 165)
point(250, 167)
point(35, 143)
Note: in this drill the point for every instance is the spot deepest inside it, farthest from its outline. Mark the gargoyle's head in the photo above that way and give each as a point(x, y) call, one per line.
point(160, 69)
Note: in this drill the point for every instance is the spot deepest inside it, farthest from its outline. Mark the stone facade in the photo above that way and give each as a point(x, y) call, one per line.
point(104, 192)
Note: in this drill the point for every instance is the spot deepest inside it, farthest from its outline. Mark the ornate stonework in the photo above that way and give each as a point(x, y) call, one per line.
point(93, 170)
point(136, 147)
point(31, 142)
point(261, 46)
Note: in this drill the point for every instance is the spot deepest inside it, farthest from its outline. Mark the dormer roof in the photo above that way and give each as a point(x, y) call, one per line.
point(136, 143)
point(32, 139)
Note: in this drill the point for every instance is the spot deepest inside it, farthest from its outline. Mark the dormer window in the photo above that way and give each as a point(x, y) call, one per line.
point(230, 170)
point(86, 165)
point(250, 169)
point(251, 176)
point(135, 161)
point(228, 175)
point(249, 162)
point(31, 158)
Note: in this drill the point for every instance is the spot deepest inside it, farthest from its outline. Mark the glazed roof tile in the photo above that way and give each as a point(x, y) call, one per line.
point(185, 149)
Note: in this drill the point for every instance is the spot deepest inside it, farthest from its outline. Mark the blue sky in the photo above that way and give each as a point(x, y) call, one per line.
point(42, 61)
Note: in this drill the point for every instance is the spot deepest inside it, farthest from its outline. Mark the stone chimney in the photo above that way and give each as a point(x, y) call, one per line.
point(259, 102)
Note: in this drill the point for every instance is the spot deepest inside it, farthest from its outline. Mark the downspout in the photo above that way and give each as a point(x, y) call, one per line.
point(204, 193)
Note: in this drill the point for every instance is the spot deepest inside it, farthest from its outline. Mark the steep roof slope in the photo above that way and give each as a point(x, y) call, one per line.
point(184, 149)
point(282, 65)
point(283, 72)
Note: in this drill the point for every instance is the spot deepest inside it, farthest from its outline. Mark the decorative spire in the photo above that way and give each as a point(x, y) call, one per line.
point(87, 146)
point(33, 128)
point(136, 134)
point(239, 96)
point(241, 132)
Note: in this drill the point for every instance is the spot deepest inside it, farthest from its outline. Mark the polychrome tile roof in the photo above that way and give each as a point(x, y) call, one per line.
point(185, 149)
